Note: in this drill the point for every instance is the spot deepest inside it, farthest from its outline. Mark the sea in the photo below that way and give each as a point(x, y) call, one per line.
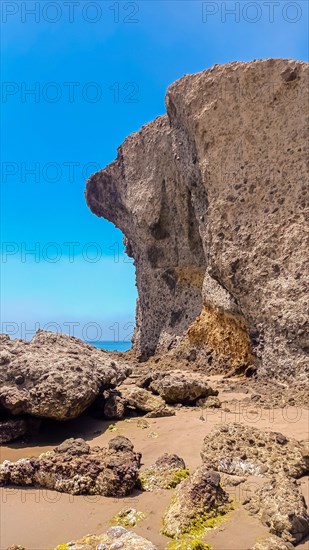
point(110, 345)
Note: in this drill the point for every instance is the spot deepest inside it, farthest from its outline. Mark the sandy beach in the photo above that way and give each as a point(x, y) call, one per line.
point(40, 519)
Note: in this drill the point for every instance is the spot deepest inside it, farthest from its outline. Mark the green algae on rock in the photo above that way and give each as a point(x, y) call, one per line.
point(187, 543)
point(128, 517)
point(199, 503)
point(166, 473)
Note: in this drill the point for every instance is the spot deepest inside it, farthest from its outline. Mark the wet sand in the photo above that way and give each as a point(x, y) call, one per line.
point(40, 519)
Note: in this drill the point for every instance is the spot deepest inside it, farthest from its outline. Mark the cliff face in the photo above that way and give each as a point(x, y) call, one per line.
point(213, 201)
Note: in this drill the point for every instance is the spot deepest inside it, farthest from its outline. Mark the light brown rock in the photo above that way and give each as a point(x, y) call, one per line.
point(273, 543)
point(142, 400)
point(54, 376)
point(282, 508)
point(213, 201)
point(115, 538)
point(243, 450)
point(166, 473)
point(180, 388)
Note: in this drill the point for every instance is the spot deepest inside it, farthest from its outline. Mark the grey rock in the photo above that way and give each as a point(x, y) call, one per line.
point(114, 407)
point(120, 443)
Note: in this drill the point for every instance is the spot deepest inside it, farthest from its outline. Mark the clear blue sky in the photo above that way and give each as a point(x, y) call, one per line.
point(129, 52)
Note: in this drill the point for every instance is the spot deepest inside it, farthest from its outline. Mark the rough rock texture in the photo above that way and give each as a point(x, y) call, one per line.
point(166, 473)
point(187, 542)
point(210, 402)
point(114, 407)
point(128, 517)
point(280, 505)
point(115, 538)
point(180, 388)
point(54, 375)
point(273, 543)
point(213, 201)
point(143, 400)
point(12, 429)
point(73, 467)
point(244, 450)
point(197, 502)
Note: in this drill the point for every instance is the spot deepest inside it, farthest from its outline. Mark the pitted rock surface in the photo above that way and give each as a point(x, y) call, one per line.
point(166, 473)
point(73, 467)
point(273, 543)
point(281, 506)
point(196, 500)
point(54, 376)
point(180, 388)
point(213, 201)
point(144, 401)
point(244, 450)
point(12, 429)
point(114, 407)
point(115, 538)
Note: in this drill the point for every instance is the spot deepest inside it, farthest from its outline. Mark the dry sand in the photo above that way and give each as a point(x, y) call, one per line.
point(41, 519)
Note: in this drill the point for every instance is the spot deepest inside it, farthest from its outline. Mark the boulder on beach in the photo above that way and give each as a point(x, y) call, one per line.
point(273, 543)
point(144, 401)
point(115, 537)
point(166, 473)
point(282, 508)
point(12, 429)
point(54, 376)
point(199, 502)
point(76, 468)
point(174, 388)
point(244, 450)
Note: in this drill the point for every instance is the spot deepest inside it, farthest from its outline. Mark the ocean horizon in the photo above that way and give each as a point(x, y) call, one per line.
point(111, 345)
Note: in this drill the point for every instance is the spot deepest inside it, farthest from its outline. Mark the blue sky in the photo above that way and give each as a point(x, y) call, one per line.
point(98, 74)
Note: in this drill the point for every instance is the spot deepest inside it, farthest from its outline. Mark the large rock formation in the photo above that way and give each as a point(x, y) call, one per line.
point(54, 376)
point(212, 199)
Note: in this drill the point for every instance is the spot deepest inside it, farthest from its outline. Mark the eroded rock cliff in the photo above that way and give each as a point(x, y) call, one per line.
point(213, 201)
